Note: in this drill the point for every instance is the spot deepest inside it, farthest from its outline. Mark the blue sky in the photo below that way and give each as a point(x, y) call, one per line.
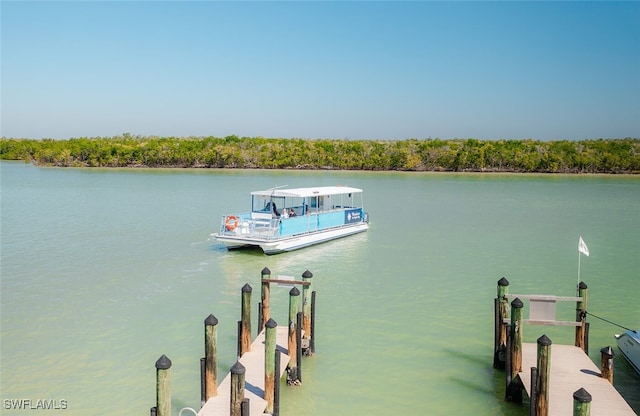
point(307, 69)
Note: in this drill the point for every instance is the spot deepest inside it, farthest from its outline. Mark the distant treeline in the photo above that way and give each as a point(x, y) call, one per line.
point(455, 155)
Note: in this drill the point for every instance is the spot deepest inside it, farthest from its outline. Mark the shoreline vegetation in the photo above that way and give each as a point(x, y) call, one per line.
point(610, 156)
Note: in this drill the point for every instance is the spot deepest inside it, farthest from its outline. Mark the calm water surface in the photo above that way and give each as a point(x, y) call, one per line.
point(103, 271)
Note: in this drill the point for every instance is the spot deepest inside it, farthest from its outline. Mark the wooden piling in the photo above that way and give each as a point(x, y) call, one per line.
point(276, 387)
point(496, 334)
point(306, 304)
point(532, 396)
point(501, 309)
point(264, 296)
point(544, 373)
point(203, 385)
point(312, 341)
point(581, 316)
point(507, 364)
point(299, 346)
point(581, 403)
point(292, 373)
point(237, 389)
point(516, 337)
point(269, 364)
point(606, 363)
point(246, 319)
point(163, 386)
point(211, 357)
point(245, 409)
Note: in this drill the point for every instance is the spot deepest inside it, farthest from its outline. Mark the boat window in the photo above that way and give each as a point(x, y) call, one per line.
point(273, 205)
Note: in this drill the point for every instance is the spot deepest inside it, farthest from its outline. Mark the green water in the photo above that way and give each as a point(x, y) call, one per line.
point(103, 271)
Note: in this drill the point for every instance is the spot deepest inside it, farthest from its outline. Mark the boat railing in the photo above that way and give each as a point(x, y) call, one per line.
point(264, 225)
point(250, 225)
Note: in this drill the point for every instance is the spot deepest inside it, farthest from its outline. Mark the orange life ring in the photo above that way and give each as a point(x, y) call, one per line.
point(231, 222)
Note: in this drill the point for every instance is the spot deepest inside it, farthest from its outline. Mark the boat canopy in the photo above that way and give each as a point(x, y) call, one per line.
point(307, 192)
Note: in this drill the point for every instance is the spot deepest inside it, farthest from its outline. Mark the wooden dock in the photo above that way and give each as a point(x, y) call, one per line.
point(252, 386)
point(253, 361)
point(565, 380)
point(572, 369)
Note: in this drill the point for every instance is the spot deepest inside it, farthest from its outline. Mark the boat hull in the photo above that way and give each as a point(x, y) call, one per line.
point(284, 244)
point(629, 345)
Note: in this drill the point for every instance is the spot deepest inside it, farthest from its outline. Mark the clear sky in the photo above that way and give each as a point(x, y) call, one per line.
point(311, 69)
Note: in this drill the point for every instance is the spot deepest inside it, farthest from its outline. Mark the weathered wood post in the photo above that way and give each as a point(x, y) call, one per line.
point(581, 316)
point(544, 373)
point(163, 386)
point(508, 364)
point(312, 341)
point(276, 387)
point(606, 363)
point(246, 319)
point(237, 389)
point(245, 409)
point(533, 395)
point(210, 357)
point(264, 296)
point(501, 309)
point(581, 403)
point(299, 345)
point(306, 308)
point(292, 371)
point(514, 341)
point(270, 369)
point(203, 383)
point(516, 337)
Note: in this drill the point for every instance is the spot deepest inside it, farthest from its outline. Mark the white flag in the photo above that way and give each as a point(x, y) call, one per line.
point(582, 247)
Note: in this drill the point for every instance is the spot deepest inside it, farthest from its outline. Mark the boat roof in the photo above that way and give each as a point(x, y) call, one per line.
point(307, 192)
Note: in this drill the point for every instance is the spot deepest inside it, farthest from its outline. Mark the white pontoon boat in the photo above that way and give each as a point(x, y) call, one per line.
point(288, 219)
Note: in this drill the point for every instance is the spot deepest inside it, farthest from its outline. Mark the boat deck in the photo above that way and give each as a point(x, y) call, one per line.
point(572, 369)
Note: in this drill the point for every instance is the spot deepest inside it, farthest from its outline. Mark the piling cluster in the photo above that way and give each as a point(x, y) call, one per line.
point(508, 352)
point(300, 341)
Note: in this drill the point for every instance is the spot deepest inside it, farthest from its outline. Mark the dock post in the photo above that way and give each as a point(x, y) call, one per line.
point(606, 363)
point(532, 396)
point(246, 319)
point(544, 370)
point(299, 345)
point(264, 296)
point(581, 403)
point(203, 383)
point(312, 341)
point(270, 369)
point(516, 337)
point(237, 389)
point(496, 334)
point(501, 313)
point(581, 316)
point(292, 373)
point(163, 386)
point(276, 387)
point(211, 357)
point(245, 408)
point(306, 307)
point(508, 364)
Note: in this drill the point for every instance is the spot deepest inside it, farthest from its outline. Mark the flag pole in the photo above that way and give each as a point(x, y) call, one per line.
point(579, 252)
point(578, 267)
